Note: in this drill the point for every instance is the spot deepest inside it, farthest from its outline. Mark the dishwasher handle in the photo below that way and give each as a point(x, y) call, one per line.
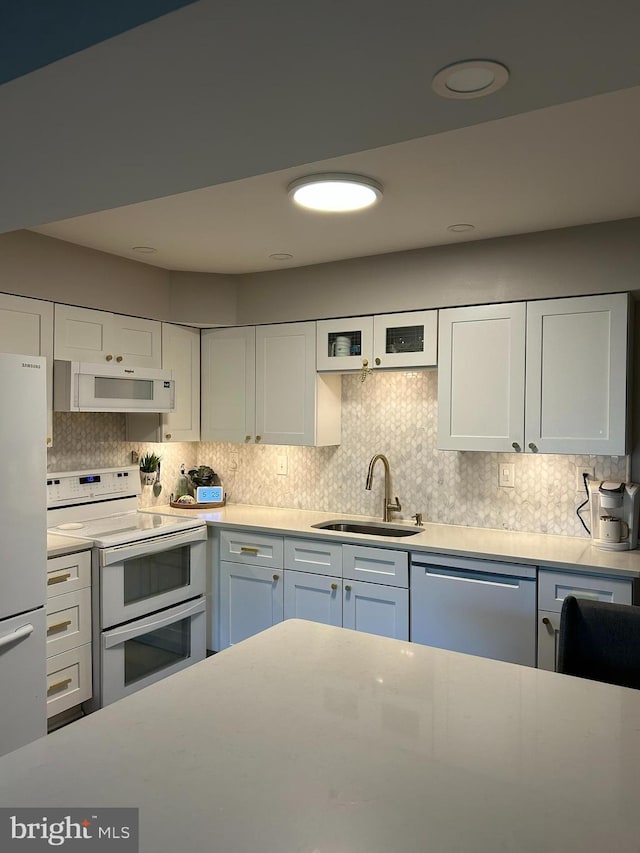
point(473, 577)
point(472, 565)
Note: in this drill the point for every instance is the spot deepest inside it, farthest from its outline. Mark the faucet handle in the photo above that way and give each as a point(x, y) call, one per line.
point(418, 518)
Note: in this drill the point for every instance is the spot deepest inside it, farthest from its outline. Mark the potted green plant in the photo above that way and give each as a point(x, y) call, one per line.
point(149, 464)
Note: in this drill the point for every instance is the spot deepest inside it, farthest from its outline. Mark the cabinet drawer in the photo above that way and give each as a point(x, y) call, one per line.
point(68, 621)
point(313, 555)
point(68, 573)
point(376, 565)
point(554, 587)
point(68, 679)
point(252, 549)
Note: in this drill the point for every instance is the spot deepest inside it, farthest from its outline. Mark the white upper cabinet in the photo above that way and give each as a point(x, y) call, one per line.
point(541, 377)
point(229, 384)
point(384, 341)
point(481, 359)
point(259, 384)
point(84, 334)
point(294, 405)
point(181, 354)
point(26, 328)
point(576, 386)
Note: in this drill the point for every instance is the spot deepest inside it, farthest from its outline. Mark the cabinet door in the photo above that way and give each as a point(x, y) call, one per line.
point(286, 384)
point(228, 384)
point(548, 633)
point(26, 327)
point(317, 598)
point(576, 393)
point(376, 609)
point(83, 334)
point(344, 344)
point(137, 341)
point(405, 340)
point(481, 364)
point(251, 600)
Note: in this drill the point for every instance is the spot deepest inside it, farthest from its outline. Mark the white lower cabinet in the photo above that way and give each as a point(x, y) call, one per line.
point(69, 672)
point(259, 579)
point(317, 598)
point(251, 600)
point(379, 605)
point(554, 587)
point(376, 609)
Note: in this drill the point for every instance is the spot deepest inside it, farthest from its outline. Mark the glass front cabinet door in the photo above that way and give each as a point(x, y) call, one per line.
point(385, 341)
point(345, 344)
point(405, 340)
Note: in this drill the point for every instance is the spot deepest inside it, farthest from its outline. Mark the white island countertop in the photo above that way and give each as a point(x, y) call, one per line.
point(572, 553)
point(313, 739)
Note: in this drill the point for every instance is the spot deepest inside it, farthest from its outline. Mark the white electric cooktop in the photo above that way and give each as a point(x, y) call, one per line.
point(125, 527)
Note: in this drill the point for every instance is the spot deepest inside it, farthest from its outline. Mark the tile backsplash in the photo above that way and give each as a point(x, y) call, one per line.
point(394, 414)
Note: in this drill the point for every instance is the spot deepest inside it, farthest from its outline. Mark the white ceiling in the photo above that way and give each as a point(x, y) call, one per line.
point(185, 132)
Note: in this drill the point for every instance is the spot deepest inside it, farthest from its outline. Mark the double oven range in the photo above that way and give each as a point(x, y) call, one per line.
point(148, 579)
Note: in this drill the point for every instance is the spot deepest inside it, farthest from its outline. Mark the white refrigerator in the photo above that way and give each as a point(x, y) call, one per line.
point(23, 550)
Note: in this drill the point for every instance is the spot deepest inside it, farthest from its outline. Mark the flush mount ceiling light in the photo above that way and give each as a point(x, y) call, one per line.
point(144, 250)
point(281, 256)
point(335, 192)
point(473, 78)
point(460, 227)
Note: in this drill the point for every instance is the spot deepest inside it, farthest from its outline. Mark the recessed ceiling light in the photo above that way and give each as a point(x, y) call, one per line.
point(335, 192)
point(144, 250)
point(281, 256)
point(473, 78)
point(460, 227)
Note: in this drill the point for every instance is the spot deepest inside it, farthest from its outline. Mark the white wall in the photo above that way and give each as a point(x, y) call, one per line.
point(597, 258)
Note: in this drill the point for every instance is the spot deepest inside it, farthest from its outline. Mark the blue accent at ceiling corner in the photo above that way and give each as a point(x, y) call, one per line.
point(34, 33)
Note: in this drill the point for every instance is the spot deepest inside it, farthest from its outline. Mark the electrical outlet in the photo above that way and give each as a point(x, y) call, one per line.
point(506, 475)
point(580, 470)
point(283, 465)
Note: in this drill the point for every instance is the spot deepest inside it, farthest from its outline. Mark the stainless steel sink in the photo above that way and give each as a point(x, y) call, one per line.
point(370, 528)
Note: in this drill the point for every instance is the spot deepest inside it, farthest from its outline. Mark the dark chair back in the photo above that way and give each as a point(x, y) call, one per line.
point(600, 641)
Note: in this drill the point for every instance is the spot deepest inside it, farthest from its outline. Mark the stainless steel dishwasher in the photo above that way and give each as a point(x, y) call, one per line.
point(480, 607)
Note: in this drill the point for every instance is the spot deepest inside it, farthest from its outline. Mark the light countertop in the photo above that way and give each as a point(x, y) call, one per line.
point(58, 545)
point(316, 739)
point(561, 552)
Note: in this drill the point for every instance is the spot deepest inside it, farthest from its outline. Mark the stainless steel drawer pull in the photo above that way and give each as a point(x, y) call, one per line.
point(58, 579)
point(59, 626)
point(59, 685)
point(246, 549)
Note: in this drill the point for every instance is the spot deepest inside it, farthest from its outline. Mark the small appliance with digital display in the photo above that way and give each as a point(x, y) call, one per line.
point(209, 494)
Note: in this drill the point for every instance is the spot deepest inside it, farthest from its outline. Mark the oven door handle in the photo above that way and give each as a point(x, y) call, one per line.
point(116, 636)
point(151, 546)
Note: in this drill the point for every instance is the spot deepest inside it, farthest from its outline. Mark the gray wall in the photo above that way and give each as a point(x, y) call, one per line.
point(34, 265)
point(597, 258)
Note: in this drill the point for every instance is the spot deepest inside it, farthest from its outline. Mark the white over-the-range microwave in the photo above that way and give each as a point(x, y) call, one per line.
point(84, 387)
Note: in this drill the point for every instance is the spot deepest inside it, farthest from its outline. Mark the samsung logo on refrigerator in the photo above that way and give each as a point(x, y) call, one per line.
point(29, 364)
